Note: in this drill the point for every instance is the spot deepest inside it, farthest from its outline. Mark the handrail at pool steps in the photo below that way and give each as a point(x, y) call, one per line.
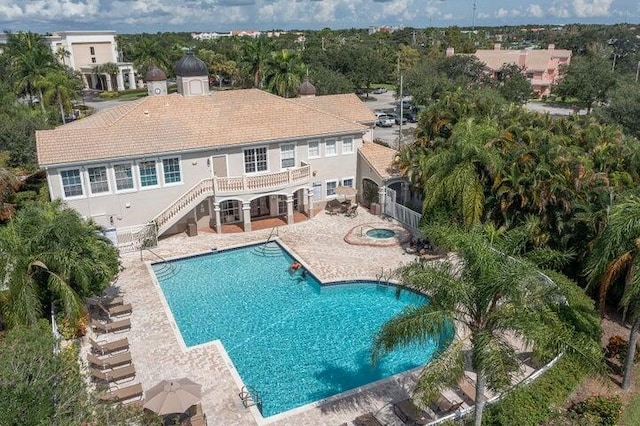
point(167, 270)
point(265, 249)
point(249, 397)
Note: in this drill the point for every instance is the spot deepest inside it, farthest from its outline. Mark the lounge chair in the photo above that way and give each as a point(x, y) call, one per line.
point(104, 347)
point(114, 375)
point(410, 413)
point(106, 301)
point(122, 394)
point(443, 406)
point(334, 207)
point(198, 420)
point(367, 420)
point(468, 388)
point(110, 361)
point(108, 327)
point(115, 310)
point(352, 211)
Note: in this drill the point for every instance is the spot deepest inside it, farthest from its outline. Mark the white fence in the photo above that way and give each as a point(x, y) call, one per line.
point(402, 214)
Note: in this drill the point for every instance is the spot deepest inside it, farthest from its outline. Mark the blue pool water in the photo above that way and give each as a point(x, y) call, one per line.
point(291, 339)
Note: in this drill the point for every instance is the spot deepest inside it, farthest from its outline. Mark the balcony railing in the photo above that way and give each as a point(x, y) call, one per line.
point(243, 184)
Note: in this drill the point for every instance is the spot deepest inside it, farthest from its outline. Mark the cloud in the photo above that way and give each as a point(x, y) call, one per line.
point(559, 9)
point(535, 10)
point(592, 8)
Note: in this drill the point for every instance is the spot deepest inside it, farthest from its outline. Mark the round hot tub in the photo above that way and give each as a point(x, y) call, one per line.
point(381, 233)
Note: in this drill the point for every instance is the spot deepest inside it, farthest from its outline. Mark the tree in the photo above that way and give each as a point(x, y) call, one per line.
point(490, 297)
point(623, 108)
point(60, 87)
point(109, 68)
point(587, 78)
point(255, 55)
point(513, 84)
point(283, 73)
point(617, 253)
point(329, 82)
point(49, 256)
point(146, 52)
point(38, 387)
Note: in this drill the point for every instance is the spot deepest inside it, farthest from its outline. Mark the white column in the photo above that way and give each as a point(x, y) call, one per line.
point(382, 198)
point(94, 81)
point(132, 80)
point(310, 202)
point(109, 85)
point(246, 215)
point(290, 220)
point(120, 80)
point(218, 221)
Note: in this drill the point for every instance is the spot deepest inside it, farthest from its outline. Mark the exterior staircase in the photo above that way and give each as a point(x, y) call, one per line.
point(234, 185)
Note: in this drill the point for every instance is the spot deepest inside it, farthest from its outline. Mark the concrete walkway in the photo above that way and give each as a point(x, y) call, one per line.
point(320, 245)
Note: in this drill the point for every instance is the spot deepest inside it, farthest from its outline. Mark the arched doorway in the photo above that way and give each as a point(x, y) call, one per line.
point(369, 192)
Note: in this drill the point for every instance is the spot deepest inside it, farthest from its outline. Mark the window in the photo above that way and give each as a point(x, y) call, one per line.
point(92, 50)
point(148, 173)
point(282, 205)
point(124, 176)
point(347, 145)
point(330, 147)
point(171, 170)
point(287, 155)
point(255, 160)
point(71, 183)
point(230, 211)
point(331, 187)
point(347, 182)
point(93, 60)
point(314, 149)
point(98, 181)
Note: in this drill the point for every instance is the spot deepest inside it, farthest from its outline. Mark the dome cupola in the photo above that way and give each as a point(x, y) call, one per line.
point(306, 89)
point(191, 66)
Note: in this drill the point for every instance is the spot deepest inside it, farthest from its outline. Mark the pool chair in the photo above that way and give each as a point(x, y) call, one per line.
point(104, 347)
point(367, 420)
point(110, 361)
point(111, 326)
point(410, 413)
point(442, 406)
point(352, 211)
point(334, 207)
point(125, 394)
point(115, 310)
point(115, 375)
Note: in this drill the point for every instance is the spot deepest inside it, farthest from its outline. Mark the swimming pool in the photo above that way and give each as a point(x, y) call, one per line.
point(291, 339)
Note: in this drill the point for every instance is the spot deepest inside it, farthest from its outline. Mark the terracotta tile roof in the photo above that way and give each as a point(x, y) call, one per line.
point(380, 158)
point(536, 59)
point(347, 106)
point(173, 123)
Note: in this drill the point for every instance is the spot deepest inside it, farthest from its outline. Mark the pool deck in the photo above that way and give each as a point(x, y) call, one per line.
point(320, 245)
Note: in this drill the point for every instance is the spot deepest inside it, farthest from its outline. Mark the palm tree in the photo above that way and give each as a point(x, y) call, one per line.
point(109, 68)
point(616, 252)
point(60, 87)
point(146, 52)
point(284, 73)
point(255, 54)
point(490, 297)
point(50, 256)
point(31, 59)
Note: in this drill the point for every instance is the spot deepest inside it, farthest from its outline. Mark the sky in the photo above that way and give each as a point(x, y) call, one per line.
point(135, 16)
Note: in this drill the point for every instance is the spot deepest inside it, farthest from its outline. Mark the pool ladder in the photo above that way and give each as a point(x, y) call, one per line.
point(269, 247)
point(167, 270)
point(249, 397)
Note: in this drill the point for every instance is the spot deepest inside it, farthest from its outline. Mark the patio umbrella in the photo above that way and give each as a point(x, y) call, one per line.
point(346, 191)
point(172, 396)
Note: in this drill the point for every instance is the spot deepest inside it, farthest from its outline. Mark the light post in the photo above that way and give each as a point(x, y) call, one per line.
point(637, 71)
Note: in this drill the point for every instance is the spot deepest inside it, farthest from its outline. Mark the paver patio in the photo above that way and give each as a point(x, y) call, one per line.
point(319, 244)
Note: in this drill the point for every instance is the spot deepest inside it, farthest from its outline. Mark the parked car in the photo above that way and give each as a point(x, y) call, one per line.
point(411, 117)
point(384, 120)
point(379, 91)
point(396, 118)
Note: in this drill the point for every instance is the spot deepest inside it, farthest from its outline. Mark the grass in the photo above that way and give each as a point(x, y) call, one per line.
point(631, 411)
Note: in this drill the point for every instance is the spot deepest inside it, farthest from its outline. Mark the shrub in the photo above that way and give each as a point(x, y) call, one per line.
point(616, 343)
point(604, 411)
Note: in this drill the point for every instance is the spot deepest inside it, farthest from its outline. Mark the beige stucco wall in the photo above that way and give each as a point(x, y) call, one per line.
point(140, 205)
point(82, 53)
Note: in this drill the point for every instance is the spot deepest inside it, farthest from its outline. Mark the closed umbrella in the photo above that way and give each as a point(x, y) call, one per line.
point(346, 191)
point(173, 396)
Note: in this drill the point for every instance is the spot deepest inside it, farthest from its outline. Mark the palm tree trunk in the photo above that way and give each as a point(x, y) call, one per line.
point(41, 101)
point(61, 108)
point(631, 352)
point(481, 384)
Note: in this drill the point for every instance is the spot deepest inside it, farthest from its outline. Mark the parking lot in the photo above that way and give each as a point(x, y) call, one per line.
point(387, 102)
